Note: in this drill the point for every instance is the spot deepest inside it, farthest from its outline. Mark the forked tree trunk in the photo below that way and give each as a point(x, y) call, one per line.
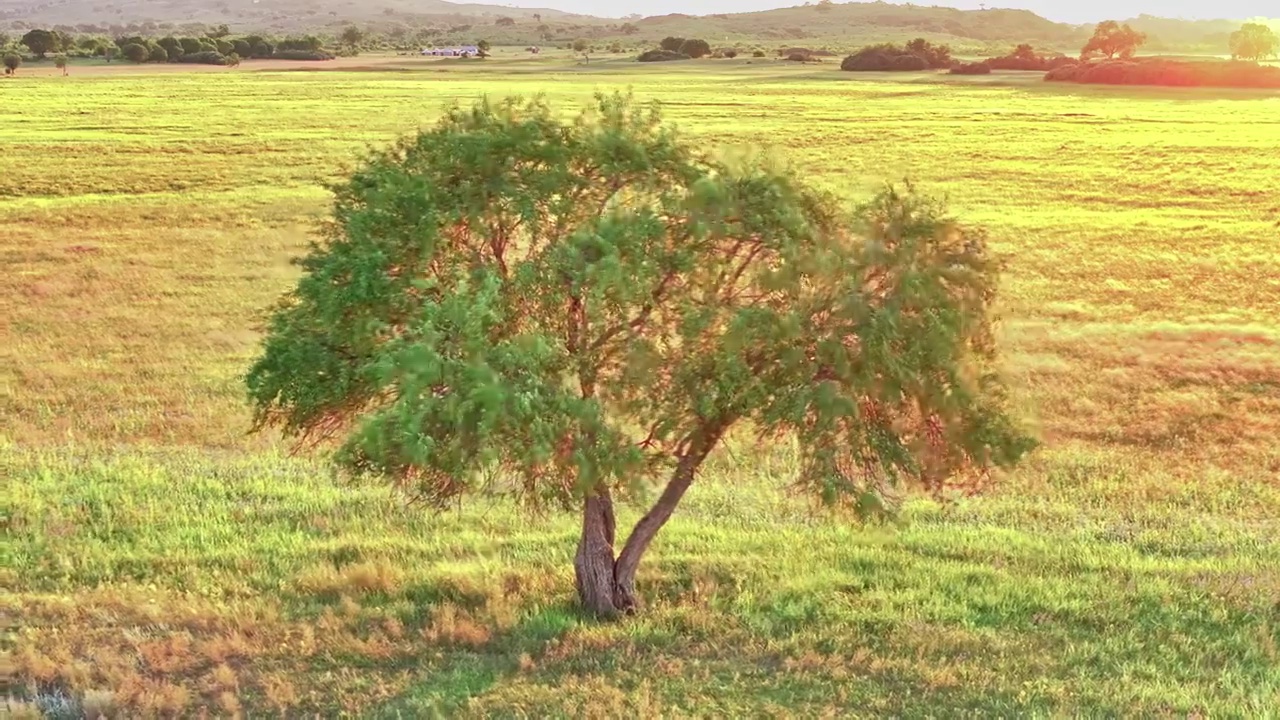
point(607, 587)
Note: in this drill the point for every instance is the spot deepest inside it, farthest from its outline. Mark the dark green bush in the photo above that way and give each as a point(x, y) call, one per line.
point(671, 44)
point(189, 45)
point(915, 56)
point(204, 58)
point(224, 47)
point(695, 48)
point(241, 48)
point(661, 56)
point(757, 54)
point(302, 55)
point(159, 55)
point(978, 68)
point(731, 53)
point(263, 49)
point(134, 52)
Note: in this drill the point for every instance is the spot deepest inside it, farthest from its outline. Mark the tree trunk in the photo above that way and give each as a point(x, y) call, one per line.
point(593, 564)
point(645, 530)
point(607, 587)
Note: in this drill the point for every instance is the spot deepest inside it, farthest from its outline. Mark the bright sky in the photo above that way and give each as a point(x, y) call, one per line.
point(1074, 11)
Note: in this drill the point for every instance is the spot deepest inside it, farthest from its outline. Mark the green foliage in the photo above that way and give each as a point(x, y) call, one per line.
point(351, 36)
point(41, 42)
point(1254, 41)
point(60, 62)
point(233, 60)
point(159, 55)
point(917, 55)
point(671, 44)
point(204, 57)
point(223, 47)
point(241, 48)
point(661, 56)
point(580, 45)
point(584, 300)
point(757, 53)
point(695, 48)
point(1112, 39)
point(134, 52)
point(172, 46)
point(12, 61)
point(189, 45)
point(317, 55)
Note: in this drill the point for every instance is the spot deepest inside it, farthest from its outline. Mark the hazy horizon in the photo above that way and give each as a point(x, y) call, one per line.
point(1080, 11)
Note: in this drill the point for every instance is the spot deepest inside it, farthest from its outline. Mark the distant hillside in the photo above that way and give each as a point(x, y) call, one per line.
point(822, 24)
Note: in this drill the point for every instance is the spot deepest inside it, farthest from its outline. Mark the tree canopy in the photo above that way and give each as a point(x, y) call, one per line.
point(1254, 41)
point(1112, 39)
point(570, 311)
point(42, 42)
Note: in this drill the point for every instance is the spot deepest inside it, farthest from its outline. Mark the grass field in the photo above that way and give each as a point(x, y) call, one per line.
point(157, 560)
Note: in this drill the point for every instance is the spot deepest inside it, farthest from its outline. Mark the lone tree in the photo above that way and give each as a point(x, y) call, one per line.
point(12, 62)
point(60, 62)
point(42, 42)
point(581, 46)
point(671, 44)
point(1112, 39)
point(1255, 42)
point(591, 306)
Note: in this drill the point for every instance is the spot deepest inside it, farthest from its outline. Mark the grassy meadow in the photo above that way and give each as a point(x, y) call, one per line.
point(157, 560)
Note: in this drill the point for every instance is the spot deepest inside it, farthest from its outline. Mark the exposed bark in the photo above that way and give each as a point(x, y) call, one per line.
point(606, 586)
point(645, 530)
point(593, 564)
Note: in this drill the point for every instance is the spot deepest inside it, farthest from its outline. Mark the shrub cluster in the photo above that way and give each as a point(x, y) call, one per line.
point(204, 57)
point(1209, 73)
point(302, 55)
point(978, 68)
point(1026, 58)
point(915, 56)
point(691, 47)
point(661, 56)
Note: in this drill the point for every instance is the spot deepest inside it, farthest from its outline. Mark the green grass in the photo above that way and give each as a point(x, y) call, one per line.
point(157, 556)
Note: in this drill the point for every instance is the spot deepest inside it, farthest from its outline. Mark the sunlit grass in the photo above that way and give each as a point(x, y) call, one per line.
point(161, 561)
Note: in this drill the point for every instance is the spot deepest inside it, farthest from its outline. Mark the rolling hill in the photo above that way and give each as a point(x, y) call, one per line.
point(838, 25)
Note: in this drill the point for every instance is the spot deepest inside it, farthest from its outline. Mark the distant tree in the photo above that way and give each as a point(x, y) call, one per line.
point(190, 46)
point(825, 6)
point(60, 62)
point(12, 62)
point(483, 47)
point(264, 49)
point(352, 36)
point(580, 45)
point(224, 47)
point(241, 48)
point(671, 44)
point(629, 29)
point(133, 52)
point(233, 60)
point(504, 22)
point(1112, 39)
point(219, 31)
point(619, 341)
point(172, 46)
point(1026, 53)
point(695, 48)
point(109, 52)
point(1255, 42)
point(41, 42)
point(159, 55)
